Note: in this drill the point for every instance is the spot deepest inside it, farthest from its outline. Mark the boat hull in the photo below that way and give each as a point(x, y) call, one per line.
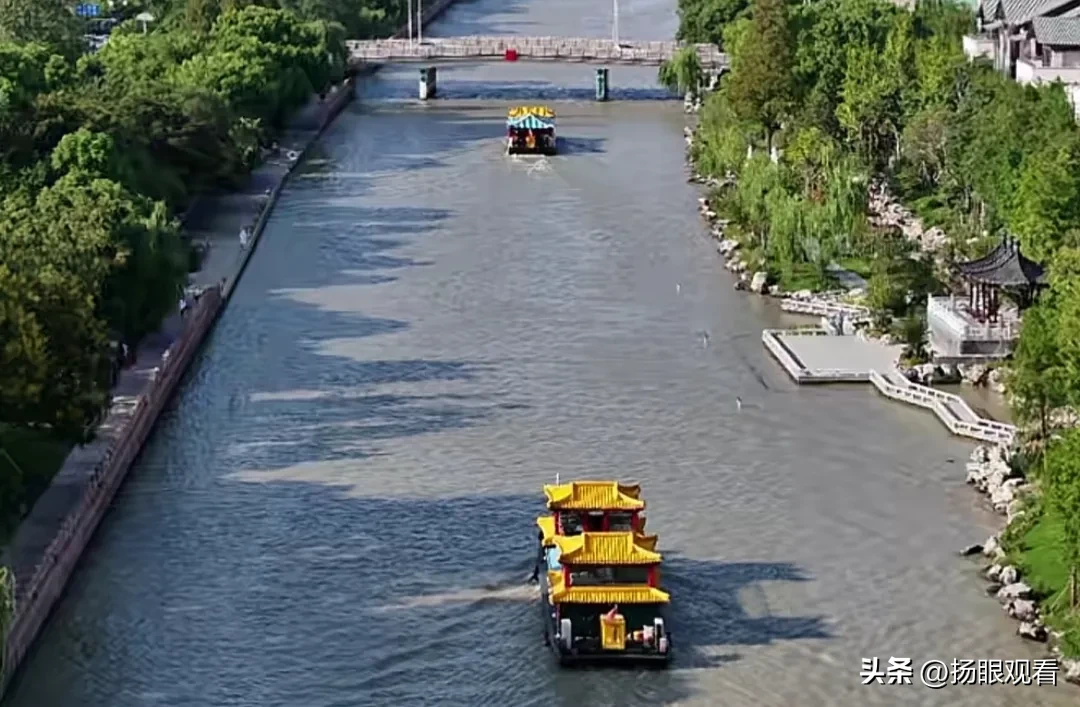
point(547, 151)
point(590, 652)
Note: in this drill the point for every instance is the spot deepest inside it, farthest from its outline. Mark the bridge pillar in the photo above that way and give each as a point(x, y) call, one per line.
point(427, 83)
point(602, 84)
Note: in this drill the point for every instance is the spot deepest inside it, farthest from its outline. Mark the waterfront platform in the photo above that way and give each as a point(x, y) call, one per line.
point(814, 355)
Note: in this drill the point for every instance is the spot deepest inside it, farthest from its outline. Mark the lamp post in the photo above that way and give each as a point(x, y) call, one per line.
point(144, 18)
point(419, 21)
point(408, 12)
point(615, 21)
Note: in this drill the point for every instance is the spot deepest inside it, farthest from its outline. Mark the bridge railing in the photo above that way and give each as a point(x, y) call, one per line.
point(536, 48)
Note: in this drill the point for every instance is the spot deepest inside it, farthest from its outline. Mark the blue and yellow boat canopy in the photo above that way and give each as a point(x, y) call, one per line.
point(531, 118)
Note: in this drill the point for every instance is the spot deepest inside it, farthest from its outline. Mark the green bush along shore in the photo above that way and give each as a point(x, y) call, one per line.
point(849, 92)
point(99, 153)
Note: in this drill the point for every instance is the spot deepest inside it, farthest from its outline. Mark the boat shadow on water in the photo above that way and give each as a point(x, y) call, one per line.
point(707, 611)
point(581, 145)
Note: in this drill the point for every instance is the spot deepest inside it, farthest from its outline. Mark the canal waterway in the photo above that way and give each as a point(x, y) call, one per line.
point(338, 508)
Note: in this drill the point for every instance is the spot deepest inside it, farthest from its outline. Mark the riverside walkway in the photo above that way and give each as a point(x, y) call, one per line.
point(814, 355)
point(551, 49)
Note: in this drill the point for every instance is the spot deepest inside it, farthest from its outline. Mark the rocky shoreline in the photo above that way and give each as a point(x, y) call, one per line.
point(885, 212)
point(992, 471)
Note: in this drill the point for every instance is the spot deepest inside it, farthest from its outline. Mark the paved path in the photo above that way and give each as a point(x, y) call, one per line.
point(812, 356)
point(560, 49)
point(218, 220)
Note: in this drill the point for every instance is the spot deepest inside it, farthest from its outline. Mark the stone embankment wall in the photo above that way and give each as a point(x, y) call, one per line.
point(37, 596)
point(47, 584)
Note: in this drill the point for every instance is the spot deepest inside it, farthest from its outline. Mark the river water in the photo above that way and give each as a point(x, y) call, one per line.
point(338, 508)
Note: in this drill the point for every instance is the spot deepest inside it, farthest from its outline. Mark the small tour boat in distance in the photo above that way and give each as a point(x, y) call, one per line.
point(530, 130)
point(599, 576)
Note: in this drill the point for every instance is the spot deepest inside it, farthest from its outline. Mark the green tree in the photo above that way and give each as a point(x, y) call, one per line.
point(1036, 381)
point(761, 86)
point(703, 21)
point(48, 22)
point(683, 73)
point(873, 91)
point(1061, 485)
point(1046, 202)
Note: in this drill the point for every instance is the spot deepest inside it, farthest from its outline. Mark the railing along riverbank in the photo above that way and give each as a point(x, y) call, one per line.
point(35, 599)
point(816, 307)
point(49, 543)
point(953, 411)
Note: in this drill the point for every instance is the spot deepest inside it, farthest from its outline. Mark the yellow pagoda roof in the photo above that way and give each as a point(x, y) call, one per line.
point(522, 111)
point(547, 529)
point(609, 594)
point(594, 496)
point(624, 548)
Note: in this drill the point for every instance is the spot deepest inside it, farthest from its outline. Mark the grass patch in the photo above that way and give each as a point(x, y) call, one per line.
point(803, 276)
point(28, 462)
point(862, 267)
point(1039, 555)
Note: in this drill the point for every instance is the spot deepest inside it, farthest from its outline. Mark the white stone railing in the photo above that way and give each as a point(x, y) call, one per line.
point(568, 49)
point(942, 404)
point(978, 45)
point(821, 308)
point(773, 340)
point(945, 311)
point(1028, 71)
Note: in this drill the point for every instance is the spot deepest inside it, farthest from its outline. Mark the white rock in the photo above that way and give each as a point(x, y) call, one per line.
point(759, 281)
point(991, 546)
point(1031, 631)
point(1071, 670)
point(1023, 610)
point(1002, 496)
point(981, 453)
point(728, 246)
point(774, 290)
point(1008, 575)
point(974, 373)
point(1016, 590)
point(993, 572)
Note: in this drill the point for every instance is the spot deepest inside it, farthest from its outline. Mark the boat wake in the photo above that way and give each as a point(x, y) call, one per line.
point(515, 592)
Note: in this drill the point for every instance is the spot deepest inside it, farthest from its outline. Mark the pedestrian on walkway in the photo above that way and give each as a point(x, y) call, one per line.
point(183, 305)
point(245, 238)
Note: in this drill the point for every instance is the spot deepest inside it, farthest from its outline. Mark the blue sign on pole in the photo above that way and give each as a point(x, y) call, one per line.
point(88, 10)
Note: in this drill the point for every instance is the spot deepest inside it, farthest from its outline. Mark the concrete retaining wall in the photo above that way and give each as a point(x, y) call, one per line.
point(63, 553)
point(40, 595)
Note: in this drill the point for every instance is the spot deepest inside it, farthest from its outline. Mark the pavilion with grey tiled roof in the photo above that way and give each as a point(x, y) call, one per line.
point(1057, 31)
point(1003, 268)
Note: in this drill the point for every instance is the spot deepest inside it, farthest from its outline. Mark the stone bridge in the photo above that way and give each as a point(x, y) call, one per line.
point(556, 49)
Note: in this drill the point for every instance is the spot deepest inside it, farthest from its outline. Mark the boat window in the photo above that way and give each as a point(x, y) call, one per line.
point(619, 522)
point(594, 521)
point(553, 559)
point(571, 524)
point(592, 576)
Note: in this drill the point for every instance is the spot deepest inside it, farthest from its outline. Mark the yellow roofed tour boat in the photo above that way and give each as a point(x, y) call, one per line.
point(530, 130)
point(599, 576)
